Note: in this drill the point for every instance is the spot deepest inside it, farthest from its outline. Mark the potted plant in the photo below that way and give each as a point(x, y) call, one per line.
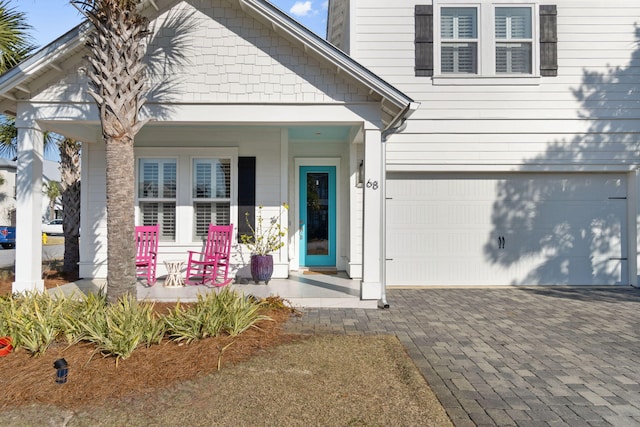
point(265, 238)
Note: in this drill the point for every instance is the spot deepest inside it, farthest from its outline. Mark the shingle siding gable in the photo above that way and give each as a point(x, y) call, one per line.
point(227, 56)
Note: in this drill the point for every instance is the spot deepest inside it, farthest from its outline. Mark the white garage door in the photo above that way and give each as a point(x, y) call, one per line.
point(507, 229)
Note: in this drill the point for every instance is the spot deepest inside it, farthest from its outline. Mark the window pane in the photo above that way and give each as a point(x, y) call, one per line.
point(458, 23)
point(149, 179)
point(157, 179)
point(163, 214)
point(513, 58)
point(216, 213)
point(211, 179)
point(513, 23)
point(459, 58)
point(169, 180)
point(202, 180)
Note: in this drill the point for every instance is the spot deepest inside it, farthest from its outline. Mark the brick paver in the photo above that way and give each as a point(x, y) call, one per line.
point(513, 356)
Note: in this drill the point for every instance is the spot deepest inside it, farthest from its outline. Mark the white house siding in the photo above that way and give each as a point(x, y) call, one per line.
point(586, 115)
point(585, 119)
point(93, 219)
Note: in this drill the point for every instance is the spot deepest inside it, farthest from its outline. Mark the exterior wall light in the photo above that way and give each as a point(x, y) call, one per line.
point(360, 175)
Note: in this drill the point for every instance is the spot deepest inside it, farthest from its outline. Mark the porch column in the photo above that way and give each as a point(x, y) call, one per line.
point(633, 226)
point(28, 270)
point(372, 251)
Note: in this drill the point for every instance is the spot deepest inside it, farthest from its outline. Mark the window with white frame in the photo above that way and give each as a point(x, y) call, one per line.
point(185, 192)
point(211, 193)
point(157, 180)
point(485, 38)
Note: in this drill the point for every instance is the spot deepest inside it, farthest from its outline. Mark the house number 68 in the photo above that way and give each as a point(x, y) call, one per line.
point(373, 184)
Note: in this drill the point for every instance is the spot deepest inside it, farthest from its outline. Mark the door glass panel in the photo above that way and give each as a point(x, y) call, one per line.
point(317, 213)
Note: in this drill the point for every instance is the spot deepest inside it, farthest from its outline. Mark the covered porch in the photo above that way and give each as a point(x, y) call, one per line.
point(301, 289)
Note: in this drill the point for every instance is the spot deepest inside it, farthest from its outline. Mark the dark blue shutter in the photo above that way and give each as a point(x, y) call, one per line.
point(246, 194)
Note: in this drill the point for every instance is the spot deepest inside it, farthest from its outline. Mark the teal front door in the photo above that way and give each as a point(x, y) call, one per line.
point(317, 216)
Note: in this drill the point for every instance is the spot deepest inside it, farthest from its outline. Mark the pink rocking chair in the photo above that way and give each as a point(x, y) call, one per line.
point(147, 252)
point(212, 265)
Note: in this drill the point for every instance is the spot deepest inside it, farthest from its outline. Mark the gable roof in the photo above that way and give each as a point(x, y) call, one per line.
point(395, 104)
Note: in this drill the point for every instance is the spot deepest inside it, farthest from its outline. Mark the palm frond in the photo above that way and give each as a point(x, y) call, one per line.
point(15, 40)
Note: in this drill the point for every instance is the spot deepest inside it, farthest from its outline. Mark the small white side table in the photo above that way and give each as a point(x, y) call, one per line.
point(174, 274)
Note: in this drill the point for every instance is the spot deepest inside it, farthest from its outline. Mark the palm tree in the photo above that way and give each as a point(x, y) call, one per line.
point(15, 45)
point(117, 83)
point(15, 42)
point(52, 191)
point(70, 182)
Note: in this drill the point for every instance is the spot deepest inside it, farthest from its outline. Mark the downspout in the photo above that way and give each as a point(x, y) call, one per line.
point(382, 303)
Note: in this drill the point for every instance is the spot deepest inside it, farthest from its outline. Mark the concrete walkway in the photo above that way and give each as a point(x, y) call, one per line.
point(513, 356)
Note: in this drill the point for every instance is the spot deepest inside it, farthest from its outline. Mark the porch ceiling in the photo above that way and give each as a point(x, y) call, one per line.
point(91, 131)
point(319, 133)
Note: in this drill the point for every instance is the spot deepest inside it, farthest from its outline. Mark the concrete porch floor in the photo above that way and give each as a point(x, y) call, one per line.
point(301, 290)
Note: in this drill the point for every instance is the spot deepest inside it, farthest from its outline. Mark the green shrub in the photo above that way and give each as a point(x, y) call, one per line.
point(240, 313)
point(34, 320)
point(87, 307)
point(122, 327)
point(213, 314)
point(5, 324)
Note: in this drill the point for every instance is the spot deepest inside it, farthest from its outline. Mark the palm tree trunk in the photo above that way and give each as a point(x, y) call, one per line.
point(121, 249)
point(70, 183)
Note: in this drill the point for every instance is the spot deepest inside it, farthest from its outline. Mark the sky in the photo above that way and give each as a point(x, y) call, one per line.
point(53, 18)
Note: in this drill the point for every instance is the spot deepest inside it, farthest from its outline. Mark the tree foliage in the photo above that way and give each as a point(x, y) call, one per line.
point(15, 41)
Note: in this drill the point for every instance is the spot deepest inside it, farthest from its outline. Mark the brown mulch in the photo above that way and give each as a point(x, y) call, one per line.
point(92, 378)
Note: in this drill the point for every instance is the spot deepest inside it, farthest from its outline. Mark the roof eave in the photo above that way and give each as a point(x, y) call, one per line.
point(46, 56)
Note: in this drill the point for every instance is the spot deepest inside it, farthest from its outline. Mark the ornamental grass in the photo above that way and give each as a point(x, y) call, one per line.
point(35, 320)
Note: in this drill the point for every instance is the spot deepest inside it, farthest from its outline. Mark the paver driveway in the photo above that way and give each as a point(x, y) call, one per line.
point(513, 356)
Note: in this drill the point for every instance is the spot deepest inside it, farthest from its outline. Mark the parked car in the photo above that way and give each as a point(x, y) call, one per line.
point(53, 227)
point(8, 237)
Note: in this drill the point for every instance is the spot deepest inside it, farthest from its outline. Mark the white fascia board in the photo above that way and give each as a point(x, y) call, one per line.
point(49, 54)
point(325, 49)
point(44, 57)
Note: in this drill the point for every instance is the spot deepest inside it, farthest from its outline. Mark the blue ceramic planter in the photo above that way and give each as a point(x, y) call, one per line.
point(261, 268)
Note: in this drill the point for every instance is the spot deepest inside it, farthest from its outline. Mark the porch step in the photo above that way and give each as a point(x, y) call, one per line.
point(318, 270)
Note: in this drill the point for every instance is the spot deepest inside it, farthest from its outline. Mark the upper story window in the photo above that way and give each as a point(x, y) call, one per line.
point(485, 39)
point(469, 41)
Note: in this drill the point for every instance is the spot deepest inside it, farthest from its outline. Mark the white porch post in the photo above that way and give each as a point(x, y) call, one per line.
point(28, 270)
point(373, 228)
point(633, 208)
